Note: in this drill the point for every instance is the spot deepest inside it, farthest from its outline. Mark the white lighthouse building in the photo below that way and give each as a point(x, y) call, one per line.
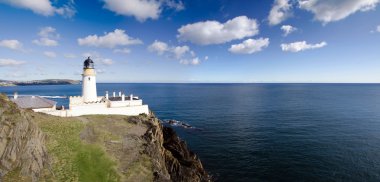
point(91, 104)
point(89, 82)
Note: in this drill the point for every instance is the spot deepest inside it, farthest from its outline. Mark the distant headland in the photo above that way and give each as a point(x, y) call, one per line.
point(39, 82)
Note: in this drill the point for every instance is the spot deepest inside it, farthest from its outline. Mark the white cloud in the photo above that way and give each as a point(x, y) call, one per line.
point(175, 51)
point(206, 58)
point(214, 32)
point(49, 32)
point(301, 46)
point(124, 50)
point(42, 7)
point(67, 10)
point(45, 42)
point(141, 9)
point(48, 37)
point(11, 44)
point(50, 54)
point(70, 56)
point(109, 40)
point(288, 29)
point(10, 62)
point(281, 10)
point(329, 11)
point(178, 6)
point(181, 53)
point(193, 61)
point(250, 46)
point(378, 28)
point(159, 47)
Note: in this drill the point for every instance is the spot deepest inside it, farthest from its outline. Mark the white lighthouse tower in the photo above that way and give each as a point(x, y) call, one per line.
point(89, 81)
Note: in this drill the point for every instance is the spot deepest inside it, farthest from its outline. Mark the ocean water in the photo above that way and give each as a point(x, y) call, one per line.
point(265, 132)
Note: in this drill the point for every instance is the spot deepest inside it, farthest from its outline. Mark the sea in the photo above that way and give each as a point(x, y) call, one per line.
point(263, 132)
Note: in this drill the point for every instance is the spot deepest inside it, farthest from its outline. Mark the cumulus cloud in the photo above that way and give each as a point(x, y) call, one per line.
point(48, 37)
point(214, 32)
point(301, 46)
point(330, 11)
point(50, 54)
point(158, 47)
point(176, 52)
point(193, 61)
point(67, 10)
point(250, 46)
point(378, 28)
point(10, 62)
point(288, 29)
point(11, 44)
point(281, 10)
point(43, 7)
point(181, 53)
point(45, 42)
point(109, 40)
point(141, 9)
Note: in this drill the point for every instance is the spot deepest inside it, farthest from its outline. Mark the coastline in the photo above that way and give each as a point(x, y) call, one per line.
point(127, 147)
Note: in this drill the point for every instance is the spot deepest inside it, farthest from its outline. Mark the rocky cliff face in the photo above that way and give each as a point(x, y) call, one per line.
point(172, 160)
point(134, 148)
point(22, 144)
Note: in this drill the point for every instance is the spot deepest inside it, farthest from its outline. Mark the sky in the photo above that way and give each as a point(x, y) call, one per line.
point(186, 41)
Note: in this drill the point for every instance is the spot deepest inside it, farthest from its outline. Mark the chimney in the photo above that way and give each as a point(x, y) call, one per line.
point(131, 97)
point(15, 95)
point(114, 94)
point(123, 97)
point(107, 95)
point(119, 94)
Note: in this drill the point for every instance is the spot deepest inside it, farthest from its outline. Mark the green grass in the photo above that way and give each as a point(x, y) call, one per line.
point(94, 165)
point(72, 159)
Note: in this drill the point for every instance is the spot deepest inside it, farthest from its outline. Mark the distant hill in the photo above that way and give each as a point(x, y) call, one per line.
point(39, 82)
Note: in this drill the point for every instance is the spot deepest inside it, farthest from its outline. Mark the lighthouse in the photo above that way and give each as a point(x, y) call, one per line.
point(89, 81)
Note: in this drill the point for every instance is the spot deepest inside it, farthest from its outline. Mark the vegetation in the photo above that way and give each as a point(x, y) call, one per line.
point(72, 159)
point(96, 148)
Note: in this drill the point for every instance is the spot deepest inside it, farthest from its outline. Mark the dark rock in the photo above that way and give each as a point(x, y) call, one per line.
point(172, 160)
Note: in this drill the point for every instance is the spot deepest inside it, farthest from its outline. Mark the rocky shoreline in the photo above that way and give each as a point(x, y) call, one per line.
point(180, 163)
point(140, 147)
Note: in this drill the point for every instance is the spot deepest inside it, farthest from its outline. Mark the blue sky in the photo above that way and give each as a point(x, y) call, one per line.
point(192, 40)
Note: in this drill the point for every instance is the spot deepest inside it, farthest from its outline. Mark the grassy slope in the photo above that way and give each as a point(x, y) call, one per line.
point(96, 157)
point(72, 159)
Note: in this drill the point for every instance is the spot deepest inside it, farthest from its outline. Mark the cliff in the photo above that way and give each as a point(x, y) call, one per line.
point(22, 143)
point(39, 147)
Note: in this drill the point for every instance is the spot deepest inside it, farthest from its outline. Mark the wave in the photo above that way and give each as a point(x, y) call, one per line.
point(44, 96)
point(54, 97)
point(182, 124)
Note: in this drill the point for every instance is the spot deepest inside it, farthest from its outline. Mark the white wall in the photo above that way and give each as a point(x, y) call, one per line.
point(100, 109)
point(126, 103)
point(89, 88)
